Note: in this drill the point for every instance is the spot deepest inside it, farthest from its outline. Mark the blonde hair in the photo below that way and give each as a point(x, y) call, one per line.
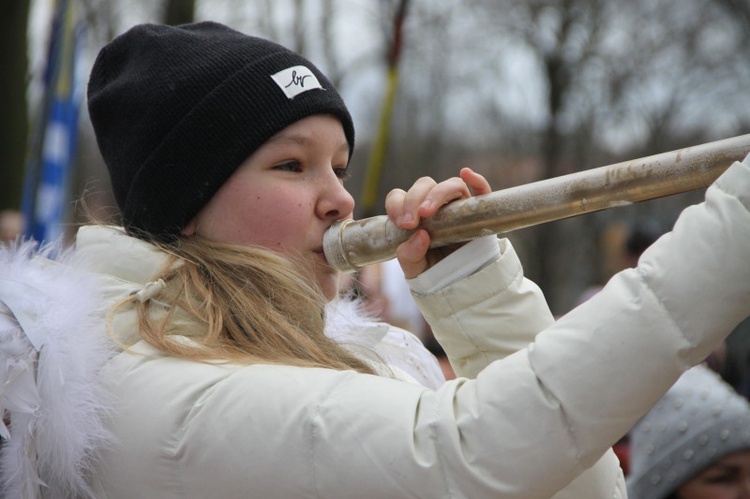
point(254, 304)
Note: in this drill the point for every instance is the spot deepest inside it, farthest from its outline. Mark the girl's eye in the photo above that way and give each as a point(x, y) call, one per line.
point(341, 173)
point(289, 166)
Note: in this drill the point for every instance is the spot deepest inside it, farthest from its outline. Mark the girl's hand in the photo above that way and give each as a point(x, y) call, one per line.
point(407, 208)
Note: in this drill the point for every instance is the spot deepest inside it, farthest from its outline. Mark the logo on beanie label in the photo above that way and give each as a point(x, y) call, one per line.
point(295, 80)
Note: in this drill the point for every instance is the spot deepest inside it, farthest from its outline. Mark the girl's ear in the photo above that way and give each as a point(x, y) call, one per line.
point(190, 229)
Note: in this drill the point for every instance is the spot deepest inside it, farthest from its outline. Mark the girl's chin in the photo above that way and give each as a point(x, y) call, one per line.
point(329, 292)
point(329, 285)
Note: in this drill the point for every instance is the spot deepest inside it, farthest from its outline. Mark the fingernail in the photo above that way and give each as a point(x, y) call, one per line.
point(407, 218)
point(426, 205)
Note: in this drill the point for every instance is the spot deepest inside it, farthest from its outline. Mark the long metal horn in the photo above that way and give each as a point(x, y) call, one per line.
point(351, 244)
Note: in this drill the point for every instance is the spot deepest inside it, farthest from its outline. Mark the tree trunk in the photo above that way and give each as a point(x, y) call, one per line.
point(179, 12)
point(14, 127)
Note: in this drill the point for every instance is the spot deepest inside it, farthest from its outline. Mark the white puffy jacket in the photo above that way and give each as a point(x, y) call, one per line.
point(521, 424)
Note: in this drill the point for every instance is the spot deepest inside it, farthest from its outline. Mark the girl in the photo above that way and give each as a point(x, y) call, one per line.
point(236, 373)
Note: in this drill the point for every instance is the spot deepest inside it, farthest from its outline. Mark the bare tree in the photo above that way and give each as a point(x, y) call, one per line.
point(621, 79)
point(740, 11)
point(437, 75)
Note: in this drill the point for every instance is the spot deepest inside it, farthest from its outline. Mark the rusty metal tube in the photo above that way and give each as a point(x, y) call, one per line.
point(351, 244)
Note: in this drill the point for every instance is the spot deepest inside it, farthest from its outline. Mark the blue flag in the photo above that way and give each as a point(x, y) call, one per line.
point(52, 152)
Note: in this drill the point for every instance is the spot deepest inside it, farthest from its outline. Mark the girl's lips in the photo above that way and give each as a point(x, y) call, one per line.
point(321, 254)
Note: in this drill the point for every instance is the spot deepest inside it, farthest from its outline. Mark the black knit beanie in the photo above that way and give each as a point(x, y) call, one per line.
point(177, 109)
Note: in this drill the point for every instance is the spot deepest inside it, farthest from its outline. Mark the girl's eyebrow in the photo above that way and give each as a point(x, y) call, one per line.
point(300, 139)
point(295, 138)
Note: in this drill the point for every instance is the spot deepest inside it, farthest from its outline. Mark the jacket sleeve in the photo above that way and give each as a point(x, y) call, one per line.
point(590, 376)
point(492, 314)
point(488, 315)
point(633, 340)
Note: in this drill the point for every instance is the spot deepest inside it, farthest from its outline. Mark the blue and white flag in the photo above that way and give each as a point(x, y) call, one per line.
point(52, 152)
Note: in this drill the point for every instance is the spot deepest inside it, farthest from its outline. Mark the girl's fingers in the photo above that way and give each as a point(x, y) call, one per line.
point(442, 194)
point(426, 197)
point(412, 201)
point(476, 182)
point(411, 254)
point(394, 202)
point(423, 200)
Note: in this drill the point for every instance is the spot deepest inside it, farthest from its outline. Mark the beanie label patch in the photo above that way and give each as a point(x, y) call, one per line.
point(296, 80)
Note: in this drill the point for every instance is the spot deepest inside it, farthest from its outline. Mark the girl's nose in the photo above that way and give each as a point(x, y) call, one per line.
point(335, 202)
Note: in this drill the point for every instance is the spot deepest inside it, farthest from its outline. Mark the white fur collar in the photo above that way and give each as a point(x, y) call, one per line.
point(403, 354)
point(49, 375)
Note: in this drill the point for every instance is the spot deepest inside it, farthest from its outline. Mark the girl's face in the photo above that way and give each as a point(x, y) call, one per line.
point(728, 478)
point(284, 197)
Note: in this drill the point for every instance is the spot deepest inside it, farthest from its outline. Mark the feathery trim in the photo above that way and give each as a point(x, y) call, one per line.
point(52, 346)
